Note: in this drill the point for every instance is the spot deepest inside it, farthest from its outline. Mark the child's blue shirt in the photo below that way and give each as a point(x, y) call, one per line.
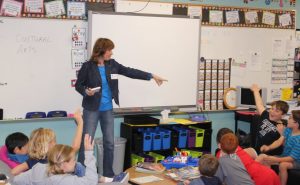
point(291, 145)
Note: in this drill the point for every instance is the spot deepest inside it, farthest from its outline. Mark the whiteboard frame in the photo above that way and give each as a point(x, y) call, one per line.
point(152, 108)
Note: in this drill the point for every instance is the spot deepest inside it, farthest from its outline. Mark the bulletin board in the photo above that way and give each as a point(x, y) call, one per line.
point(254, 52)
point(36, 72)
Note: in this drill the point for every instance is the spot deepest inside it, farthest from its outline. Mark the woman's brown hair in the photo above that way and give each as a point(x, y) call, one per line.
point(100, 47)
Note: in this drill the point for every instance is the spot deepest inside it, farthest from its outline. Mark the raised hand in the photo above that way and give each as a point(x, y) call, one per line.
point(88, 142)
point(78, 117)
point(255, 88)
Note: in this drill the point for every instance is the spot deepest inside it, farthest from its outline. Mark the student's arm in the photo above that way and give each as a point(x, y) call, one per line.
point(78, 134)
point(280, 128)
point(274, 159)
point(23, 178)
point(273, 146)
point(91, 176)
point(258, 100)
point(5, 159)
point(19, 169)
point(136, 73)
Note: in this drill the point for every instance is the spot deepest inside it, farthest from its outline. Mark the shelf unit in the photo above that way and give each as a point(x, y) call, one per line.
point(129, 132)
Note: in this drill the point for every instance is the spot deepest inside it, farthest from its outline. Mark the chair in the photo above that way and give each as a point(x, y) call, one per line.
point(56, 113)
point(293, 175)
point(4, 169)
point(31, 115)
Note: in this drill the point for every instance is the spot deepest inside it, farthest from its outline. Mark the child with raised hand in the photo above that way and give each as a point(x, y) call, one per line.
point(41, 140)
point(60, 168)
point(15, 150)
point(62, 162)
point(290, 157)
point(270, 126)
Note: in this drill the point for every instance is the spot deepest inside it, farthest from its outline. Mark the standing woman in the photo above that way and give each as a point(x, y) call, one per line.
point(97, 72)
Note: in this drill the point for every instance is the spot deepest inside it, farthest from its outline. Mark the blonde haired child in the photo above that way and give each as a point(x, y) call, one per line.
point(41, 140)
point(62, 162)
point(60, 167)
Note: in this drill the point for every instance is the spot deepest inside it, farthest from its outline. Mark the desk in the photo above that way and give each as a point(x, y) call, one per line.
point(250, 117)
point(166, 181)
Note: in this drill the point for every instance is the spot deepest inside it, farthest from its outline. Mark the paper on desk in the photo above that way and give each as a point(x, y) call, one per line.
point(146, 179)
point(183, 121)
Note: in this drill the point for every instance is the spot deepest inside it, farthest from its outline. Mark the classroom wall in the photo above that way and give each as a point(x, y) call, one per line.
point(65, 128)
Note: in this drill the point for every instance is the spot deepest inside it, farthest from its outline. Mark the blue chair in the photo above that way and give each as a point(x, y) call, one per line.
point(31, 115)
point(57, 113)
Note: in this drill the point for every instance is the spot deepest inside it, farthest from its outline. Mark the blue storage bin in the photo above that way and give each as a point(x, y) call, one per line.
point(147, 139)
point(156, 139)
point(182, 136)
point(166, 138)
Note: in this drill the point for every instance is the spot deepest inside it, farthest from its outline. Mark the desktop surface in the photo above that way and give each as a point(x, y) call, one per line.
point(135, 174)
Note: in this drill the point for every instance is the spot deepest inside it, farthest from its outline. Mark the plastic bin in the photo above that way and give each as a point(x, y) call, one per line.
point(135, 159)
point(157, 157)
point(144, 141)
point(191, 138)
point(147, 158)
point(156, 139)
point(182, 136)
point(119, 153)
point(165, 138)
point(199, 136)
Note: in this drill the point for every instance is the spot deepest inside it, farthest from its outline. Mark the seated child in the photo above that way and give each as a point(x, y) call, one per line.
point(60, 167)
point(15, 150)
point(231, 170)
point(290, 158)
point(41, 140)
point(257, 172)
point(208, 166)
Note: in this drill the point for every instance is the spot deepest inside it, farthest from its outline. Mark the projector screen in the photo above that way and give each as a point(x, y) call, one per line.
point(167, 46)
